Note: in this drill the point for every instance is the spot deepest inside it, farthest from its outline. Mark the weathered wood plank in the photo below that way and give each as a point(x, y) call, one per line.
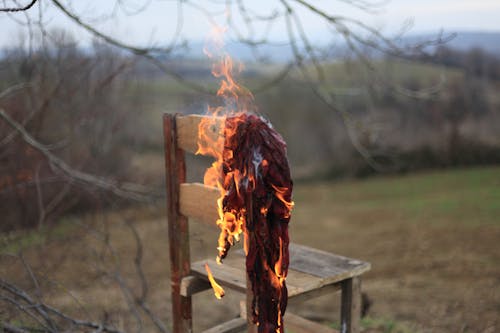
point(299, 324)
point(232, 326)
point(178, 231)
point(199, 202)
point(350, 306)
point(187, 131)
point(311, 293)
point(302, 280)
point(300, 286)
point(226, 275)
point(191, 285)
point(232, 274)
point(326, 265)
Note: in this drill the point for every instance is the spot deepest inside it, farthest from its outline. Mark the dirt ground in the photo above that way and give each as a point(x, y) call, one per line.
point(432, 239)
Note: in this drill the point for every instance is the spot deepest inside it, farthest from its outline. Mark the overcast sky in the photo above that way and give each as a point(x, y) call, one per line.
point(157, 23)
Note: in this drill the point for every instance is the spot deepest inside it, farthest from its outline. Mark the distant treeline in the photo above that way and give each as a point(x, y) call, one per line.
point(99, 111)
point(439, 111)
point(475, 62)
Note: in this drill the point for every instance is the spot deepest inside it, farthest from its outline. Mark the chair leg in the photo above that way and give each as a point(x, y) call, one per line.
point(350, 310)
point(182, 314)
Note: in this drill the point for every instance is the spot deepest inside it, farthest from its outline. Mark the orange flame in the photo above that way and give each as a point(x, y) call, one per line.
point(211, 139)
point(280, 191)
point(218, 290)
point(212, 132)
point(278, 268)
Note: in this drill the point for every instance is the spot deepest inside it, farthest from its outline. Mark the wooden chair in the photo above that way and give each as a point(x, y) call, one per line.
point(311, 272)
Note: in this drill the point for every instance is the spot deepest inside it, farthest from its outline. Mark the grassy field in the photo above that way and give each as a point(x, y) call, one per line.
point(432, 238)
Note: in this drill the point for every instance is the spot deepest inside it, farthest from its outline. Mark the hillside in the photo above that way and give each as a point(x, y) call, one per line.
point(466, 40)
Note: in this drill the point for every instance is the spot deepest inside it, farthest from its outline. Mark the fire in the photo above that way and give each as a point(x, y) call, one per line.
point(280, 193)
point(237, 99)
point(278, 266)
point(218, 290)
point(252, 174)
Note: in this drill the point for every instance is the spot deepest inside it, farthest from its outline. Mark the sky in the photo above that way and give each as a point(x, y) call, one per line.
point(157, 24)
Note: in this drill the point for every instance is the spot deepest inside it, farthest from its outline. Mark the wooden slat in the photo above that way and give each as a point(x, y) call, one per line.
point(200, 202)
point(302, 277)
point(331, 268)
point(297, 291)
point(326, 265)
point(191, 285)
point(311, 293)
point(232, 274)
point(228, 275)
point(298, 324)
point(187, 130)
point(232, 326)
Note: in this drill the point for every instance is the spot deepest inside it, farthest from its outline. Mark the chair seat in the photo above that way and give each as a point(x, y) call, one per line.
point(309, 270)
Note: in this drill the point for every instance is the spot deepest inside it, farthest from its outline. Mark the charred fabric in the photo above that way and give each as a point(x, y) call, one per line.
point(252, 148)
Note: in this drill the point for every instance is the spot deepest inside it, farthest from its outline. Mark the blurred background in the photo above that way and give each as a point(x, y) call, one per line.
point(390, 111)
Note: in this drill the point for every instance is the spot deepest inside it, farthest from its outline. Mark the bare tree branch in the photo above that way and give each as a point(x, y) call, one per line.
point(19, 9)
point(107, 38)
point(14, 88)
point(43, 312)
point(141, 300)
point(128, 191)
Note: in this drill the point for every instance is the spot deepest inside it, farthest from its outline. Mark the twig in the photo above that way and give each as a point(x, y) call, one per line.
point(13, 88)
point(8, 328)
point(142, 299)
point(18, 9)
point(127, 190)
point(41, 311)
point(39, 195)
point(109, 39)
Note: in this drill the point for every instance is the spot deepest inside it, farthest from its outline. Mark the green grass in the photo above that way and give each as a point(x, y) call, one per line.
point(468, 196)
point(17, 241)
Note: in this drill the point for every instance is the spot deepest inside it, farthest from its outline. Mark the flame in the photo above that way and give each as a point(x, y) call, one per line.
point(218, 290)
point(212, 132)
point(278, 266)
point(280, 194)
point(212, 141)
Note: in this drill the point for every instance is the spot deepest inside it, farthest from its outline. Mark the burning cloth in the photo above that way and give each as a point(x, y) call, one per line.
point(258, 189)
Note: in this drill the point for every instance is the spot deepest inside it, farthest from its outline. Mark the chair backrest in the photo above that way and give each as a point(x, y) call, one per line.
point(186, 200)
point(183, 200)
point(194, 199)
